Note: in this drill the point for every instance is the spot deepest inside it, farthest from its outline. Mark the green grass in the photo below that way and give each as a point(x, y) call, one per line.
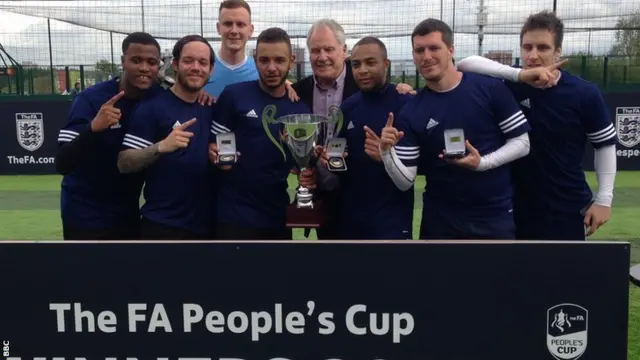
point(29, 210)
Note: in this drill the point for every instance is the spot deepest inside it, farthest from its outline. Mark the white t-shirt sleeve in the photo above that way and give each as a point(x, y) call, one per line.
point(482, 65)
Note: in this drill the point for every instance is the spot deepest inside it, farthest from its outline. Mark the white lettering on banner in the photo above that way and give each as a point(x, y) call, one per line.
point(402, 324)
point(6, 348)
point(135, 358)
point(159, 317)
point(106, 319)
point(28, 159)
point(358, 320)
point(628, 153)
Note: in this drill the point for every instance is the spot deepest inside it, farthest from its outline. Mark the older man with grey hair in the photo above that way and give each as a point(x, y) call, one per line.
point(332, 82)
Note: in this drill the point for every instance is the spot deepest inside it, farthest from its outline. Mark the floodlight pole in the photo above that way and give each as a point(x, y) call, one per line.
point(482, 22)
point(142, 10)
point(453, 20)
point(201, 22)
point(51, 72)
point(113, 59)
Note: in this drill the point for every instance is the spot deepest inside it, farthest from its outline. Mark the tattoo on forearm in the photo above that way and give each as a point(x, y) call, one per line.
point(134, 160)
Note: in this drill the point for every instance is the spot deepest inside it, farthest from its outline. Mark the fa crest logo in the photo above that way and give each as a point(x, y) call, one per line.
point(628, 125)
point(30, 130)
point(567, 331)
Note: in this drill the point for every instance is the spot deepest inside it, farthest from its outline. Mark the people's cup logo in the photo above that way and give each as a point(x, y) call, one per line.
point(567, 326)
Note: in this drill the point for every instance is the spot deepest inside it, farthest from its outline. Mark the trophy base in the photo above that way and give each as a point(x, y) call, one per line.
point(305, 217)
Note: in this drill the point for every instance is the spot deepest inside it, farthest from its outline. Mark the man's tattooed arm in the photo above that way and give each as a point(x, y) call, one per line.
point(134, 160)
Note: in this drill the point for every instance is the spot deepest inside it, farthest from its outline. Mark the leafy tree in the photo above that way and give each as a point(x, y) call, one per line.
point(106, 66)
point(627, 36)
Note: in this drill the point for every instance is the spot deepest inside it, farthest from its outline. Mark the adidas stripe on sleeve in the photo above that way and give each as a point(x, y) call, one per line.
point(141, 130)
point(402, 162)
point(80, 117)
point(597, 119)
point(408, 148)
point(511, 120)
point(222, 115)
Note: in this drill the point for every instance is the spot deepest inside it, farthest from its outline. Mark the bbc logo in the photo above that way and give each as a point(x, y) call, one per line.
point(5, 348)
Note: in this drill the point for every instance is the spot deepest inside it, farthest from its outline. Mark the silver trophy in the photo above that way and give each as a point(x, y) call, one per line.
point(301, 134)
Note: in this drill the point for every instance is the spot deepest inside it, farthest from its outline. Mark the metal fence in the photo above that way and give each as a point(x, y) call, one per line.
point(55, 44)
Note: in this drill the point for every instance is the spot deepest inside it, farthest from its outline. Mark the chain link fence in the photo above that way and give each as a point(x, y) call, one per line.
point(46, 47)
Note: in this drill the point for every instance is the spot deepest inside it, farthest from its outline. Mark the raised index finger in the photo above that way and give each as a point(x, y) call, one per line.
point(115, 99)
point(371, 133)
point(187, 124)
point(559, 64)
point(389, 120)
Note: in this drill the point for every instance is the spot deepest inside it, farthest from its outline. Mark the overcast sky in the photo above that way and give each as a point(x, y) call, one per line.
point(25, 37)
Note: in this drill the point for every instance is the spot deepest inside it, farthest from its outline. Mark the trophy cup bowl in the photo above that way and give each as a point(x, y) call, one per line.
point(301, 133)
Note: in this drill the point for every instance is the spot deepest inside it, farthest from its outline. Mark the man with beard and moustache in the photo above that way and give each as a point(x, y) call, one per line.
point(553, 200)
point(371, 206)
point(96, 201)
point(468, 197)
point(253, 199)
point(167, 141)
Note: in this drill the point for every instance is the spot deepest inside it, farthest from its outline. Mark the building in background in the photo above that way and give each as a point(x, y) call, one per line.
point(301, 59)
point(502, 56)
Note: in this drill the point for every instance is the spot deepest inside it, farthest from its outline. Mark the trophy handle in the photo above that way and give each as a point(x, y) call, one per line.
point(268, 117)
point(335, 122)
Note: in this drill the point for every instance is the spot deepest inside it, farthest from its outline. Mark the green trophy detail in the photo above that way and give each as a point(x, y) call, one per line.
point(268, 118)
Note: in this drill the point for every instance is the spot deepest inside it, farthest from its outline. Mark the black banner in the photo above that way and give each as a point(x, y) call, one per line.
point(30, 135)
point(312, 300)
point(625, 113)
point(30, 132)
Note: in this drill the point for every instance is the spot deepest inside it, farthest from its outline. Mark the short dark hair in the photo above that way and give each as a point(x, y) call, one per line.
point(177, 48)
point(274, 35)
point(372, 40)
point(142, 38)
point(544, 20)
point(429, 26)
point(234, 4)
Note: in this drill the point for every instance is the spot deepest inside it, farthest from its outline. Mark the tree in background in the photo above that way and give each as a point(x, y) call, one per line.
point(106, 66)
point(627, 36)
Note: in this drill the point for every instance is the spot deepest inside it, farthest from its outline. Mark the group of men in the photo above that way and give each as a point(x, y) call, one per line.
point(519, 178)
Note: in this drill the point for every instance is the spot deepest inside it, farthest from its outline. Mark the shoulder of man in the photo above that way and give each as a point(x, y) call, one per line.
point(486, 84)
point(102, 90)
point(302, 83)
point(351, 102)
point(566, 78)
point(241, 86)
point(412, 107)
point(148, 106)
